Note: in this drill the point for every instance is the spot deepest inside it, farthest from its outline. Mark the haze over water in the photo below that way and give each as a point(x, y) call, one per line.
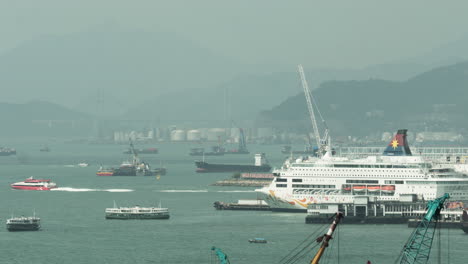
point(74, 229)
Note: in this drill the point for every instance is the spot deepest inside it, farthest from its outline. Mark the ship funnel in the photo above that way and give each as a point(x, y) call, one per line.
point(398, 146)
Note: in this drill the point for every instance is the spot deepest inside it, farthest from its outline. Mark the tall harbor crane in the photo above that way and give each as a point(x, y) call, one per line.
point(223, 258)
point(321, 142)
point(418, 247)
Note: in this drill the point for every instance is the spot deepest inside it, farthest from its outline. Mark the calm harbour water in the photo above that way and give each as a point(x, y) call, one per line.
point(74, 229)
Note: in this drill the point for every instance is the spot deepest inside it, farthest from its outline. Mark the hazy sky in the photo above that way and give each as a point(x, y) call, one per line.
point(329, 33)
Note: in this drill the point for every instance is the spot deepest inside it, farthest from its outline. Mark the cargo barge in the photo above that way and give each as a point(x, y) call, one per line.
point(261, 165)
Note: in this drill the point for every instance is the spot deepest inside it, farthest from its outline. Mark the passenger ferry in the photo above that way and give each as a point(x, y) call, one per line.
point(34, 184)
point(22, 223)
point(137, 212)
point(329, 179)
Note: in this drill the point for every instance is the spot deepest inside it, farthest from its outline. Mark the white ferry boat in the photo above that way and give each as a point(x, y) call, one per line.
point(137, 213)
point(330, 179)
point(22, 223)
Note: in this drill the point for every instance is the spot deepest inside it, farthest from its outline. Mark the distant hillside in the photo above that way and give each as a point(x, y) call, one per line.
point(239, 99)
point(38, 118)
point(125, 68)
point(435, 99)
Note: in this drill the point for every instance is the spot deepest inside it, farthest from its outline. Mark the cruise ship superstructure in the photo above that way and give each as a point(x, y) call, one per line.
point(329, 179)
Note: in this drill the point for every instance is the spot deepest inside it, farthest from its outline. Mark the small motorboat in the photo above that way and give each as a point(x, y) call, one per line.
point(258, 240)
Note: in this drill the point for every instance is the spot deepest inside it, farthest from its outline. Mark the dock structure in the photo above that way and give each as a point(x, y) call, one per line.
point(252, 205)
point(368, 210)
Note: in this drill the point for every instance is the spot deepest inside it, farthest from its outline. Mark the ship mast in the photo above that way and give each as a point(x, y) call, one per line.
point(326, 238)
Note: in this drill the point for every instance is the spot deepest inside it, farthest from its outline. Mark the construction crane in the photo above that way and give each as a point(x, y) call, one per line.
point(325, 239)
point(321, 142)
point(242, 144)
point(223, 258)
point(418, 247)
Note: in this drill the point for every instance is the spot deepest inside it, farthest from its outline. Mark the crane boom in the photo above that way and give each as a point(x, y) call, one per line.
point(418, 247)
point(326, 238)
point(223, 259)
point(308, 97)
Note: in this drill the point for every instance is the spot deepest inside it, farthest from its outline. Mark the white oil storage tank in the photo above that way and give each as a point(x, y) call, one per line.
point(214, 134)
point(178, 135)
point(193, 135)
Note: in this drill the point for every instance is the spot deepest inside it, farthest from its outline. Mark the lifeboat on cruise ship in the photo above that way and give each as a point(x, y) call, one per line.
point(346, 188)
point(388, 188)
point(359, 188)
point(373, 188)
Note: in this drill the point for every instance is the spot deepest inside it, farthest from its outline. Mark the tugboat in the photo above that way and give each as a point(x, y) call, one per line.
point(140, 213)
point(34, 184)
point(22, 223)
point(261, 165)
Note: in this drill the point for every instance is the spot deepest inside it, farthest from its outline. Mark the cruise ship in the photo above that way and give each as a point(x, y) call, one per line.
point(329, 179)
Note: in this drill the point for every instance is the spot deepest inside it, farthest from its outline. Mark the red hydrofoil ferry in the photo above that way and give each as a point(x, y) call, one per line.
point(34, 184)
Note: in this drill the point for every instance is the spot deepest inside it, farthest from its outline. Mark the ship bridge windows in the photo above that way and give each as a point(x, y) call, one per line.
point(281, 185)
point(394, 182)
point(297, 180)
point(281, 180)
point(444, 170)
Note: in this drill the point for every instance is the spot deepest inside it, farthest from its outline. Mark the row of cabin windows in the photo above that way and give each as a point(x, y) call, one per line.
point(354, 175)
point(361, 166)
point(312, 186)
point(400, 171)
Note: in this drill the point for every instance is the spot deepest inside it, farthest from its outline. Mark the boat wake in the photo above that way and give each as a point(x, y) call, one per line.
point(70, 189)
point(182, 191)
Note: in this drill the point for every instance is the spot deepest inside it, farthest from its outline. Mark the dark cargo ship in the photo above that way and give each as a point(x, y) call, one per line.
point(261, 165)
